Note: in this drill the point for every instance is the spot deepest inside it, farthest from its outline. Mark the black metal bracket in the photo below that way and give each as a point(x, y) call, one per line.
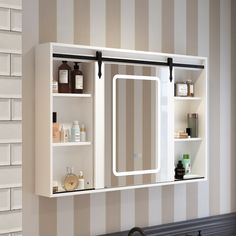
point(99, 59)
point(170, 64)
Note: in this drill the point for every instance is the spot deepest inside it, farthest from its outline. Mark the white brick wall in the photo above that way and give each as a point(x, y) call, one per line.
point(10, 221)
point(5, 158)
point(10, 118)
point(5, 19)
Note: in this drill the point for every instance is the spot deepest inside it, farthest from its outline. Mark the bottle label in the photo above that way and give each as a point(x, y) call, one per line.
point(191, 89)
point(79, 82)
point(75, 135)
point(181, 90)
point(63, 76)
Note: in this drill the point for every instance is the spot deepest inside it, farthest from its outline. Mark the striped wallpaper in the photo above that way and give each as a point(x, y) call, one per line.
point(196, 27)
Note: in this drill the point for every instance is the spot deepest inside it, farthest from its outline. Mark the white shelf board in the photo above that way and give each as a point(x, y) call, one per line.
point(188, 139)
point(11, 230)
point(71, 144)
point(187, 98)
point(9, 141)
point(11, 96)
point(72, 95)
point(102, 190)
point(5, 186)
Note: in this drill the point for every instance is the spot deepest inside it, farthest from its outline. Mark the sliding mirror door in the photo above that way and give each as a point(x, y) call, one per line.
point(136, 121)
point(139, 94)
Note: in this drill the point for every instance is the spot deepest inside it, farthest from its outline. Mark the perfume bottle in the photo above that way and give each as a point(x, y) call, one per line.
point(70, 181)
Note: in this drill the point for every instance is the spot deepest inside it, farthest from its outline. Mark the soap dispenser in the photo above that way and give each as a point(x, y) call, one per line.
point(64, 78)
point(77, 80)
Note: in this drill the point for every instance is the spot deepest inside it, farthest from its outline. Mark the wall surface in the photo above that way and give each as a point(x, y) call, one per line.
point(10, 118)
point(196, 27)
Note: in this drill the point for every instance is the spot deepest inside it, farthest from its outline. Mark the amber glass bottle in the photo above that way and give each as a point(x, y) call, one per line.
point(77, 80)
point(64, 78)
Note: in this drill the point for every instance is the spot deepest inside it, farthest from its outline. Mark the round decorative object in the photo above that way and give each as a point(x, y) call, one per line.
point(70, 182)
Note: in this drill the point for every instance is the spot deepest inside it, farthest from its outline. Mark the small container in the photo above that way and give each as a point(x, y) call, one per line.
point(64, 135)
point(179, 170)
point(188, 131)
point(55, 128)
point(181, 89)
point(190, 88)
point(81, 180)
point(67, 135)
point(55, 86)
point(70, 181)
point(75, 132)
point(82, 133)
point(55, 187)
point(186, 163)
point(192, 120)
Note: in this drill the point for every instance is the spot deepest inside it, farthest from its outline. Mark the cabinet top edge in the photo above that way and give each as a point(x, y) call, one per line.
point(121, 52)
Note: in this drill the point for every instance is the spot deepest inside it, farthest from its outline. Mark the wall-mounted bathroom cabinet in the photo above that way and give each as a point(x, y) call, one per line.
point(131, 115)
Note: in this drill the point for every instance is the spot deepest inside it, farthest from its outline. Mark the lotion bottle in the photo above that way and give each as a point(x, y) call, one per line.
point(77, 80)
point(75, 132)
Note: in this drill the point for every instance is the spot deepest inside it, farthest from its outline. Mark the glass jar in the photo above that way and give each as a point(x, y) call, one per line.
point(192, 119)
point(181, 89)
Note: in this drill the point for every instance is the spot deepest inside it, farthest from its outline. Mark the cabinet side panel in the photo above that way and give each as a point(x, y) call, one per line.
point(43, 119)
point(99, 127)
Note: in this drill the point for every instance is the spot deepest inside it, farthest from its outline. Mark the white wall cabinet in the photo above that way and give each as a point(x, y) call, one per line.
point(131, 115)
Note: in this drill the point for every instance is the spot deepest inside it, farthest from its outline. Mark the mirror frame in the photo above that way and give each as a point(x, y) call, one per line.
point(157, 142)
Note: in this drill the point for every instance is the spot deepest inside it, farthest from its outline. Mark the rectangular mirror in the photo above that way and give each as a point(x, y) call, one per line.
point(142, 125)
